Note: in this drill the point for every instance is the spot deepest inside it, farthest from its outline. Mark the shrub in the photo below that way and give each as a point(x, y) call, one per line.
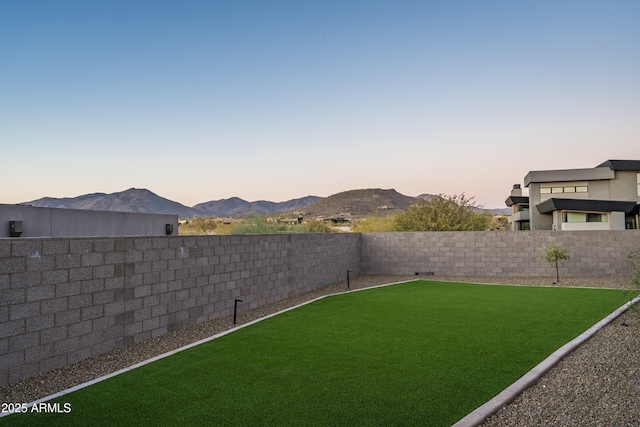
point(196, 226)
point(316, 227)
point(444, 213)
point(258, 224)
point(375, 223)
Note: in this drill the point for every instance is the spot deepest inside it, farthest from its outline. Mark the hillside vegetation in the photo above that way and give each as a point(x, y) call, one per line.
point(255, 224)
point(355, 204)
point(439, 213)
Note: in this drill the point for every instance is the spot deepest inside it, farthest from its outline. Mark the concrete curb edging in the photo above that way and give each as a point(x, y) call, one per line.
point(480, 414)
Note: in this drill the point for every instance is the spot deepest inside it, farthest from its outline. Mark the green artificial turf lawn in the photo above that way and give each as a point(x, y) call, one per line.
point(417, 353)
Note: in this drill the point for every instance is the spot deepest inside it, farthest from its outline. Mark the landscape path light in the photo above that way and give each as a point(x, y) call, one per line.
point(235, 310)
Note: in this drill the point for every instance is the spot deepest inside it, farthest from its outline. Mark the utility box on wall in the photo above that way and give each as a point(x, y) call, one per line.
point(15, 228)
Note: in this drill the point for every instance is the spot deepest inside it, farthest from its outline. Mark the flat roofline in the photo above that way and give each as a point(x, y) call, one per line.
point(565, 175)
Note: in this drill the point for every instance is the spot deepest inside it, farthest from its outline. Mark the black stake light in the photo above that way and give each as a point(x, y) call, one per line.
point(235, 310)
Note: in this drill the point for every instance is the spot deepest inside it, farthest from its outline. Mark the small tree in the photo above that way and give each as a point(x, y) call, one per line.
point(554, 254)
point(633, 259)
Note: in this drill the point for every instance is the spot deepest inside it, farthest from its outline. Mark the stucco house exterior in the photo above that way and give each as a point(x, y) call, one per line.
point(606, 197)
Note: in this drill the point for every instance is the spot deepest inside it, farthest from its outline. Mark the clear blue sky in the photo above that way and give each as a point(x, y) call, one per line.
point(273, 100)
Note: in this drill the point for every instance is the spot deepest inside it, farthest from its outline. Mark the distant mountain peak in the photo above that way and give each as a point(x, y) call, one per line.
point(131, 200)
point(359, 203)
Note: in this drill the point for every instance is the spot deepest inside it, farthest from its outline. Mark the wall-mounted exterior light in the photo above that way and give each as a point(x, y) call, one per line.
point(15, 228)
point(168, 228)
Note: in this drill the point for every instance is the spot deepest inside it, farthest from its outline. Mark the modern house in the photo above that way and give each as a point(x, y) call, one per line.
point(606, 197)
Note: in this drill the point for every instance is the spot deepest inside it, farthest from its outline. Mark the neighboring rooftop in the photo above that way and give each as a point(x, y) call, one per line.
point(514, 200)
point(603, 171)
point(563, 175)
point(621, 165)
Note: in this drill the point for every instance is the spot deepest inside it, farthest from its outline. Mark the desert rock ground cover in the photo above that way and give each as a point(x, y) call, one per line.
point(599, 384)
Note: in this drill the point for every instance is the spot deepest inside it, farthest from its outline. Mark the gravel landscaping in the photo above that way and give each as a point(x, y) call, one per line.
point(596, 385)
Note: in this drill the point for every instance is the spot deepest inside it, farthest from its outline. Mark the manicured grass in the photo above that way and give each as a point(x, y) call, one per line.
point(419, 353)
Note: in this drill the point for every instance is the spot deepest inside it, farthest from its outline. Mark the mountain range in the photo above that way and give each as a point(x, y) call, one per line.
point(144, 201)
point(353, 203)
point(236, 206)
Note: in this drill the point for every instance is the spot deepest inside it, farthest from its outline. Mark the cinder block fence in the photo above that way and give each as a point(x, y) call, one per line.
point(66, 299)
point(497, 253)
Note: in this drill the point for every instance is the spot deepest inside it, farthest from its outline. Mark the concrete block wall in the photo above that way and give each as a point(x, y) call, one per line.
point(318, 257)
point(64, 300)
point(495, 253)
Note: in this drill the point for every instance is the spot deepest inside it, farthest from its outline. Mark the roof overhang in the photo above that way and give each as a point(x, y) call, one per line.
point(588, 205)
point(516, 200)
point(592, 174)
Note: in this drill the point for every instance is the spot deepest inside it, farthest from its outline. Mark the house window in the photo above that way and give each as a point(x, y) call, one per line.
point(584, 217)
point(638, 180)
point(523, 208)
point(572, 189)
point(597, 217)
point(574, 217)
point(524, 225)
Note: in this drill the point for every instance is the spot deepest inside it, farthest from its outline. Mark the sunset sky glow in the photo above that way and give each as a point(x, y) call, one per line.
point(275, 100)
